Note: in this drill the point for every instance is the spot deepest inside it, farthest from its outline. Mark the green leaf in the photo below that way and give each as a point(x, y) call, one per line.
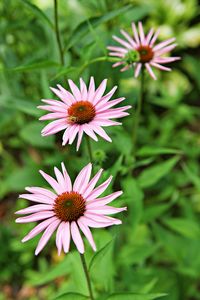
point(192, 176)
point(38, 12)
point(154, 211)
point(153, 150)
point(135, 296)
point(32, 66)
point(185, 227)
point(31, 134)
point(22, 105)
point(153, 174)
point(71, 296)
point(83, 28)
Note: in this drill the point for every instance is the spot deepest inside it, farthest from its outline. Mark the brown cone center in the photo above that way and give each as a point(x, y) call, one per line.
point(69, 206)
point(81, 112)
point(146, 53)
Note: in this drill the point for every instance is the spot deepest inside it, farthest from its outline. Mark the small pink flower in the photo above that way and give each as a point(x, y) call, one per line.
point(82, 111)
point(140, 50)
point(69, 209)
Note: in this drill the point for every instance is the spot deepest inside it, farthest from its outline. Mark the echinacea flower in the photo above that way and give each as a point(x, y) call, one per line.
point(82, 111)
point(69, 209)
point(140, 50)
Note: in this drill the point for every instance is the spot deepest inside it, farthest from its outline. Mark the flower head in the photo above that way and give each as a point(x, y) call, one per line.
point(140, 50)
point(82, 111)
point(69, 209)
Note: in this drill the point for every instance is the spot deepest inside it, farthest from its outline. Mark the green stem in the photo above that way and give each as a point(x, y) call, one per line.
point(89, 147)
point(138, 110)
point(58, 33)
point(87, 276)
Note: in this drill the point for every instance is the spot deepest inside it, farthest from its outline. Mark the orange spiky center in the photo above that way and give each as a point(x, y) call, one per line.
point(146, 53)
point(81, 112)
point(69, 206)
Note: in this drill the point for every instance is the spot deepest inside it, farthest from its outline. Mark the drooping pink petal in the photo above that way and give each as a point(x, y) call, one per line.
point(99, 190)
point(66, 178)
point(54, 127)
point(82, 179)
point(86, 231)
point(117, 49)
point(102, 219)
point(104, 200)
point(165, 60)
point(52, 108)
point(55, 103)
point(37, 229)
point(46, 236)
point(100, 131)
point(149, 69)
point(89, 131)
point(160, 67)
point(119, 63)
point(35, 217)
point(52, 116)
point(37, 198)
point(77, 237)
point(80, 135)
point(125, 68)
point(163, 44)
point(165, 50)
point(94, 224)
point(33, 209)
point(138, 69)
point(104, 122)
point(73, 134)
point(75, 90)
point(92, 184)
point(66, 237)
point(59, 235)
point(67, 134)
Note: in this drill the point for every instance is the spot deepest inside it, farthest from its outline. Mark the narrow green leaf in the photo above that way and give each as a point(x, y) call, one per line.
point(153, 174)
point(187, 228)
point(38, 12)
point(71, 296)
point(135, 296)
point(32, 66)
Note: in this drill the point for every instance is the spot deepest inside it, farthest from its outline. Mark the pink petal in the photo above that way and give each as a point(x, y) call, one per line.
point(117, 49)
point(57, 103)
point(86, 231)
point(75, 90)
point(59, 235)
point(125, 68)
point(105, 210)
point(54, 127)
point(102, 219)
point(149, 69)
point(33, 209)
point(163, 44)
point(67, 134)
point(148, 37)
point(37, 229)
point(137, 69)
point(73, 134)
point(129, 38)
point(83, 89)
point(92, 183)
point(99, 190)
point(165, 60)
point(46, 236)
point(117, 64)
point(52, 108)
point(164, 50)
point(154, 38)
point(99, 92)
point(82, 179)
point(141, 31)
point(102, 107)
point(52, 182)
point(60, 180)
point(160, 67)
point(104, 200)
point(77, 237)
point(37, 198)
point(107, 97)
point(135, 34)
point(59, 94)
point(122, 42)
point(66, 178)
point(35, 217)
point(104, 122)
point(52, 116)
point(68, 98)
point(42, 191)
point(80, 135)
point(100, 131)
point(94, 224)
point(66, 237)
point(91, 89)
point(89, 131)
point(112, 113)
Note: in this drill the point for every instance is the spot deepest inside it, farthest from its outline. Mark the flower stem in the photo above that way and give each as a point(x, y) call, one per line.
point(87, 276)
point(58, 33)
point(138, 110)
point(89, 147)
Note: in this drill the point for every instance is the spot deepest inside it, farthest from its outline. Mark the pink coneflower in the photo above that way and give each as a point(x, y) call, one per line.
point(69, 209)
point(82, 111)
point(140, 50)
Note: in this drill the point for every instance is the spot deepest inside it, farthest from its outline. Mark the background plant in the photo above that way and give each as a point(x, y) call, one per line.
point(157, 248)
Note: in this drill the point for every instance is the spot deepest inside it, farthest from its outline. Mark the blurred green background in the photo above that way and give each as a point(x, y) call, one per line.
point(157, 249)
